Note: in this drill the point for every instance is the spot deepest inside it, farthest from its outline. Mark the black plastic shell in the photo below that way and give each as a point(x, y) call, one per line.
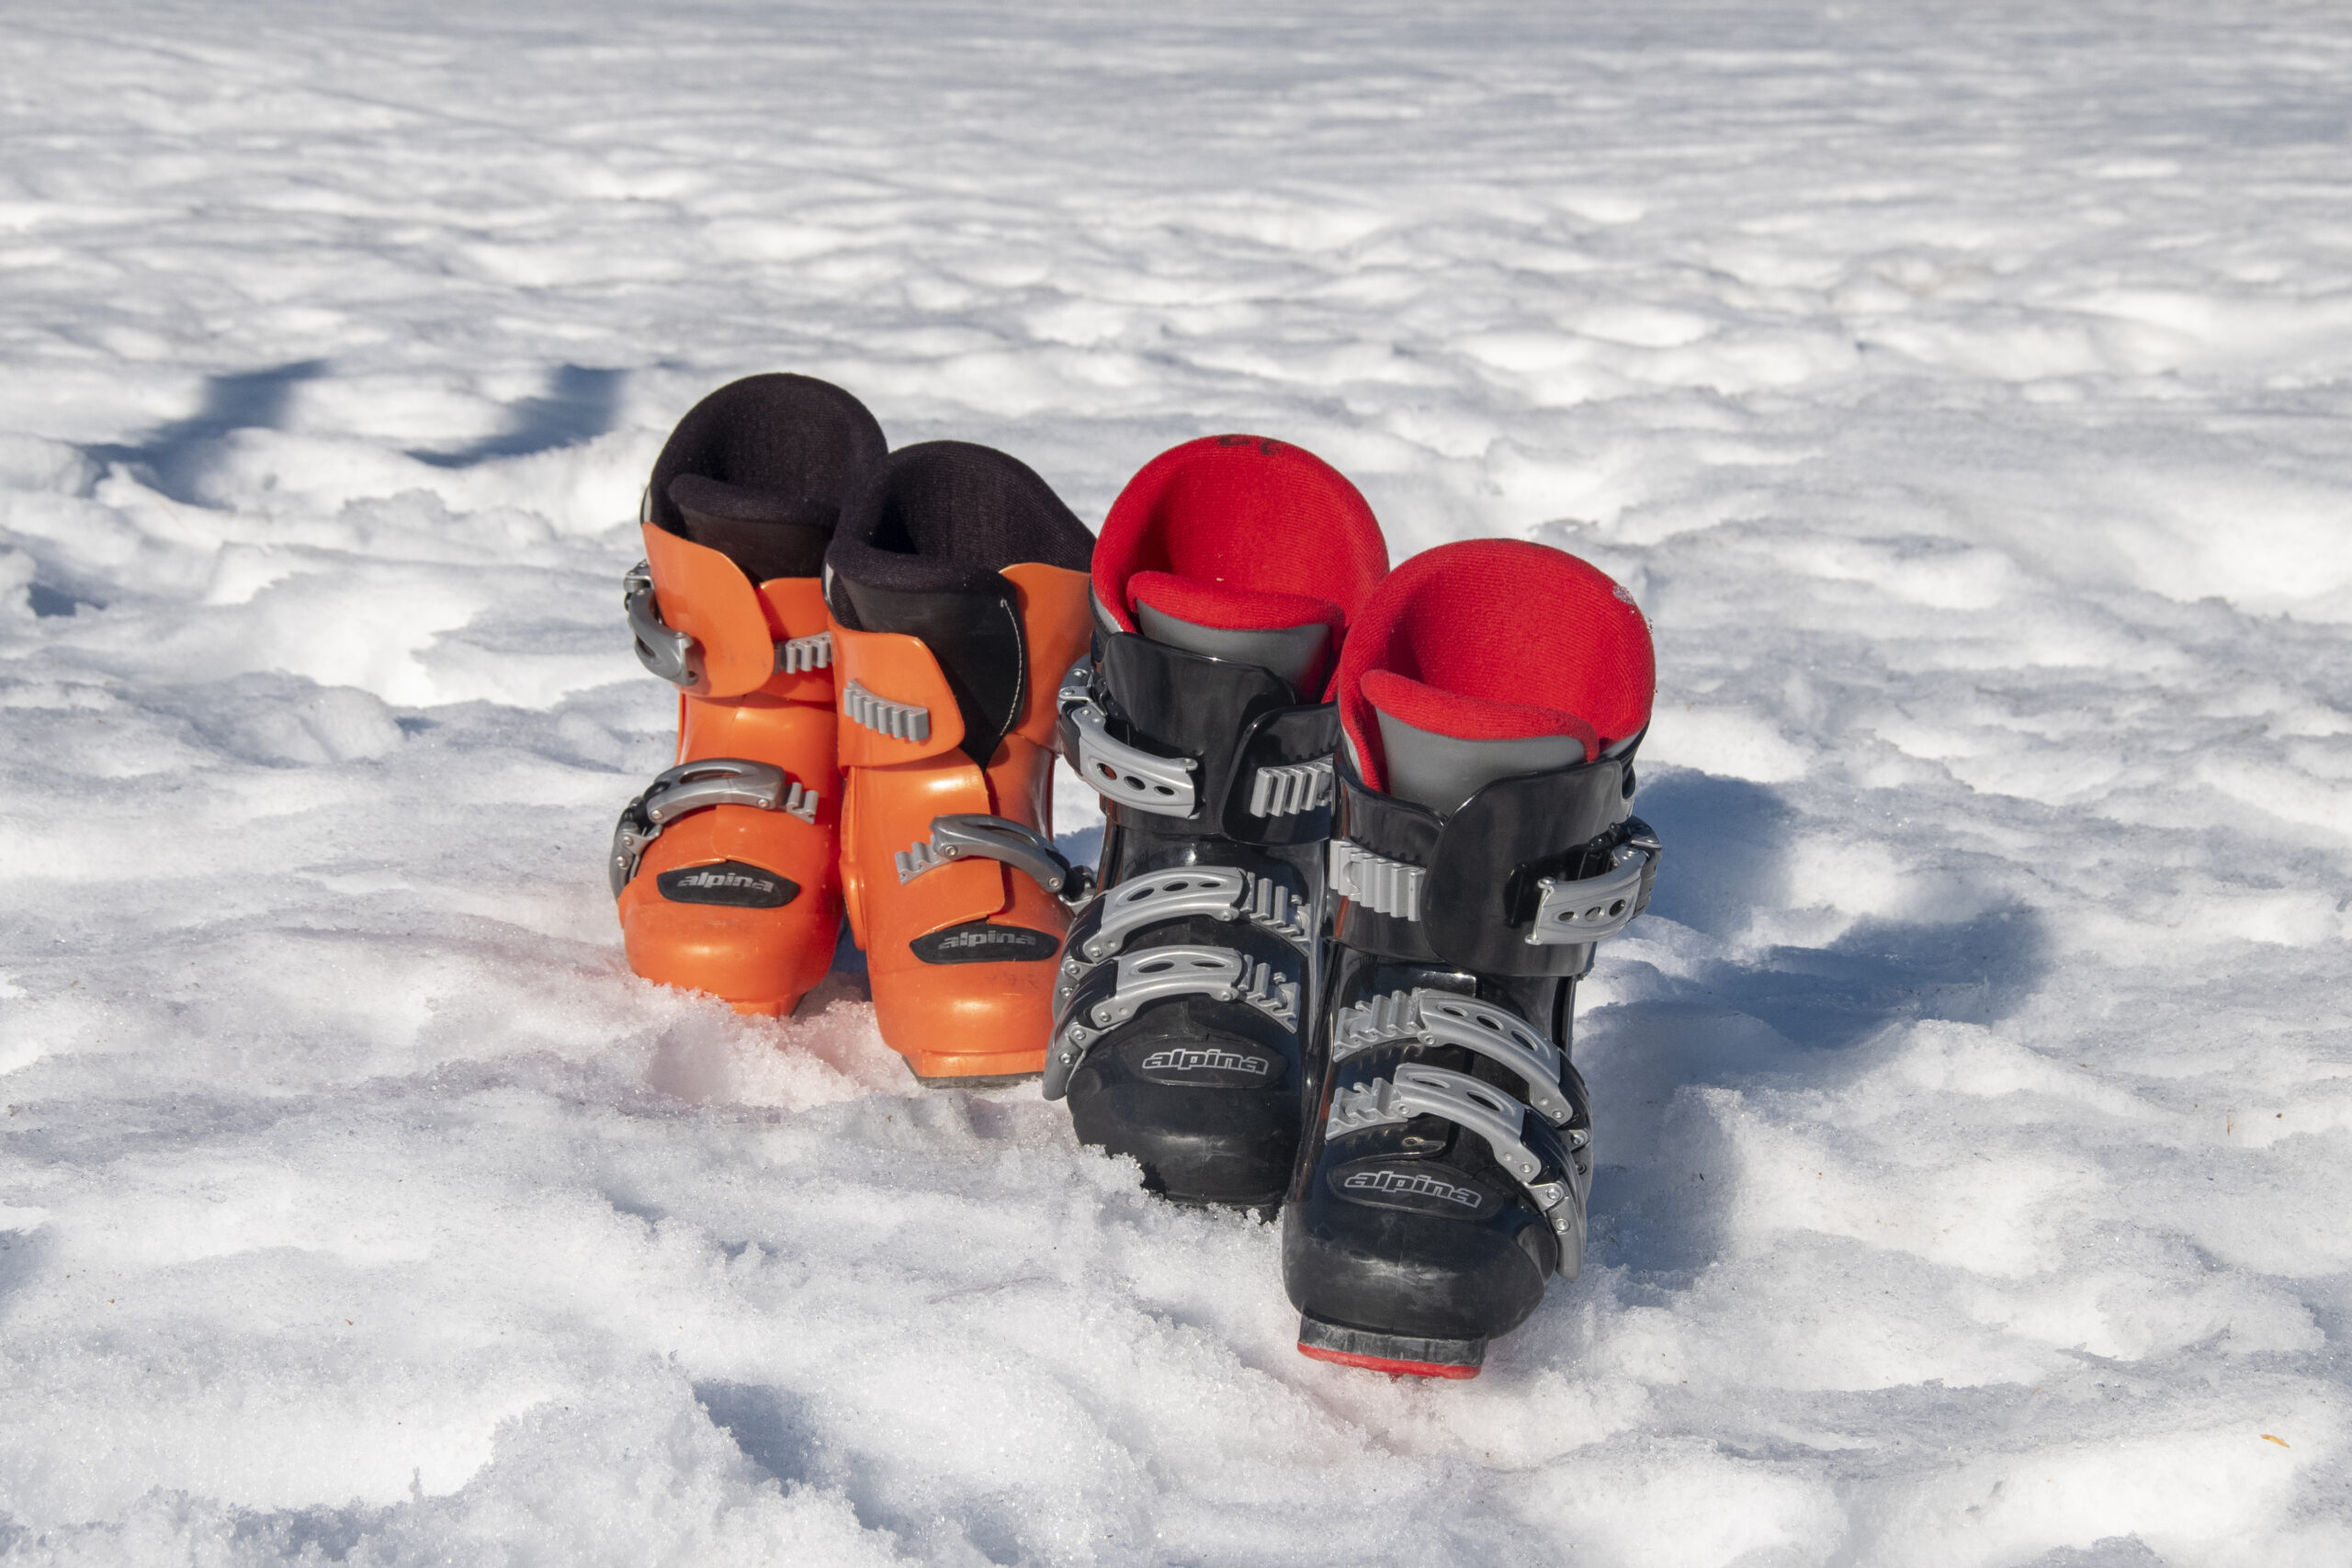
point(1233, 717)
point(1484, 863)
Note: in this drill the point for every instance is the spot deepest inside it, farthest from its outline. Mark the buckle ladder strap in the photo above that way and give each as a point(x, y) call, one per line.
point(899, 721)
point(971, 834)
point(1386, 887)
point(1224, 892)
point(1416, 1088)
point(1448, 1018)
point(694, 787)
point(1289, 788)
point(1585, 909)
point(799, 655)
point(1114, 994)
point(673, 655)
point(1116, 771)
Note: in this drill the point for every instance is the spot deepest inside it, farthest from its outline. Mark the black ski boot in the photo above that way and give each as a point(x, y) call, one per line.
point(1225, 580)
point(1493, 694)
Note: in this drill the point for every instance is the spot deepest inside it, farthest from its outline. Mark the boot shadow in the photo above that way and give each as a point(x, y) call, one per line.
point(579, 404)
point(176, 459)
point(1784, 1017)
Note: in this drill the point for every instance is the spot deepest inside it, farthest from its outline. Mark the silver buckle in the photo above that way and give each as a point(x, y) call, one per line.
point(1154, 975)
point(899, 721)
point(970, 834)
point(1419, 1090)
point(1587, 908)
point(1289, 788)
point(694, 787)
point(673, 655)
point(1391, 887)
point(1221, 891)
point(1448, 1018)
point(799, 655)
point(1116, 771)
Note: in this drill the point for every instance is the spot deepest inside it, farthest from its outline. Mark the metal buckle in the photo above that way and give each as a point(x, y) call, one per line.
point(1448, 1018)
point(1114, 993)
point(1289, 788)
point(1224, 892)
point(965, 835)
point(899, 721)
point(1391, 887)
point(1587, 908)
point(799, 655)
point(1116, 771)
point(673, 655)
point(1419, 1090)
point(693, 787)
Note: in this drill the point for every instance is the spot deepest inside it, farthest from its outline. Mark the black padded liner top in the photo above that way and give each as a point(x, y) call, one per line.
point(920, 552)
point(760, 470)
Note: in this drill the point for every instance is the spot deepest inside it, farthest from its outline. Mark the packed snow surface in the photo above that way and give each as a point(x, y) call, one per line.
point(1965, 390)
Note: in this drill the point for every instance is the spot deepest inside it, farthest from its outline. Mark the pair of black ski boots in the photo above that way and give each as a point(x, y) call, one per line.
point(1364, 829)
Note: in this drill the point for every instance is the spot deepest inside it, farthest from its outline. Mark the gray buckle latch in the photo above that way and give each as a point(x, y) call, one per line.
point(1416, 1088)
point(799, 655)
point(1585, 909)
point(673, 655)
point(1116, 993)
point(1387, 887)
point(691, 786)
point(1448, 1018)
point(1116, 771)
point(969, 834)
point(1223, 892)
point(1288, 788)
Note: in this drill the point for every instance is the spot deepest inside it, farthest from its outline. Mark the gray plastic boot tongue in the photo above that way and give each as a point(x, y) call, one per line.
point(1441, 773)
point(1300, 655)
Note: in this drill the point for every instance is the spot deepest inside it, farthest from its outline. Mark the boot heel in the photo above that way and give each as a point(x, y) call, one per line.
point(1399, 1355)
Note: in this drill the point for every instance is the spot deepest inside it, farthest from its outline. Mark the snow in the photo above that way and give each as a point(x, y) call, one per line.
point(1964, 391)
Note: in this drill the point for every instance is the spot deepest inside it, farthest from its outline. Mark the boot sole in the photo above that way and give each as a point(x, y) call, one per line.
point(1399, 1355)
point(974, 1080)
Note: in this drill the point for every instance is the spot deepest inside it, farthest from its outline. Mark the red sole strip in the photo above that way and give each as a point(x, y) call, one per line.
point(1382, 1364)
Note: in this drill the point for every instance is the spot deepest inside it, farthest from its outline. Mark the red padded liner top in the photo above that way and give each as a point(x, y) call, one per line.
point(1248, 522)
point(1235, 609)
point(1496, 639)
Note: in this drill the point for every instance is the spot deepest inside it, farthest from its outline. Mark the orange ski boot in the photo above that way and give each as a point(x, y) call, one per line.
point(958, 589)
point(725, 866)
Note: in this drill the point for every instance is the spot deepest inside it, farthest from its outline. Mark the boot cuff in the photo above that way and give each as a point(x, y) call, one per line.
point(1496, 639)
point(1249, 527)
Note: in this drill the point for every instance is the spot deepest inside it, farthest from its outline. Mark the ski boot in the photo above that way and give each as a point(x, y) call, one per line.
point(724, 867)
point(1493, 694)
point(958, 586)
point(1225, 580)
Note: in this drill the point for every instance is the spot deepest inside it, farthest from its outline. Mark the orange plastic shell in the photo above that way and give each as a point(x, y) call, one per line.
point(1056, 617)
point(706, 596)
point(983, 1018)
point(760, 961)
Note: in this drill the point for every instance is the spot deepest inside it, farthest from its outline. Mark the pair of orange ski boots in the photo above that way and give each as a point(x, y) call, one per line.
point(867, 646)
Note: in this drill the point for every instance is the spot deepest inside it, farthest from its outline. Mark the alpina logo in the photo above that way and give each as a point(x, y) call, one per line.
point(991, 936)
point(1417, 1184)
point(1208, 1058)
point(729, 882)
point(725, 879)
point(980, 942)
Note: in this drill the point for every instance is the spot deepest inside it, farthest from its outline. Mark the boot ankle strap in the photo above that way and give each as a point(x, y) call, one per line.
point(1521, 879)
point(1225, 747)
